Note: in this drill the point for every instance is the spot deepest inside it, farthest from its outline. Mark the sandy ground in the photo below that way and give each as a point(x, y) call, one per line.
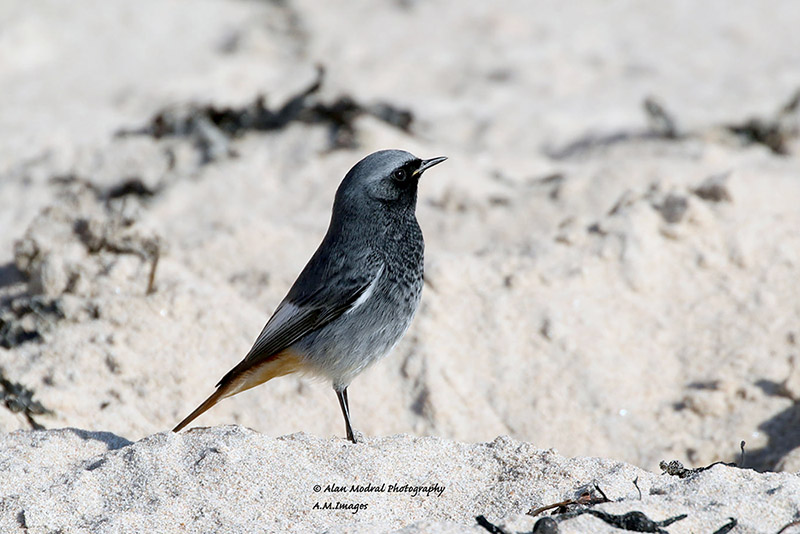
point(230, 479)
point(600, 281)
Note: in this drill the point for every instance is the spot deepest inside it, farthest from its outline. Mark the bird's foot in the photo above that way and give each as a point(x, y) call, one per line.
point(355, 436)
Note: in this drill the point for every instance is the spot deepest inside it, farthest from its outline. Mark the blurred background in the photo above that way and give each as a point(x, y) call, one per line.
point(612, 248)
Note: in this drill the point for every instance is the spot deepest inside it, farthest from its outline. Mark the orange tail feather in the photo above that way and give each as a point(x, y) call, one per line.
point(244, 376)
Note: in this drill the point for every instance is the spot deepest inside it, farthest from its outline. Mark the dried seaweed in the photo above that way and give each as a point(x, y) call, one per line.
point(773, 132)
point(589, 497)
point(676, 468)
point(211, 128)
point(19, 399)
point(634, 521)
point(26, 318)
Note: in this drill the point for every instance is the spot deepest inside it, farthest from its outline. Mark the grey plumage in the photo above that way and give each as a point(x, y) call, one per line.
point(358, 293)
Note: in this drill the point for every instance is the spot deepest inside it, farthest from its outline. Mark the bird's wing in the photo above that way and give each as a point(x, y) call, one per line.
point(318, 297)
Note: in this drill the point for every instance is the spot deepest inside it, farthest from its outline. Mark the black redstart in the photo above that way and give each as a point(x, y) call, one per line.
point(356, 296)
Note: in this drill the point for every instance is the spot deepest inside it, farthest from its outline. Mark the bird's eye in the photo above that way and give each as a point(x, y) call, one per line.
point(399, 175)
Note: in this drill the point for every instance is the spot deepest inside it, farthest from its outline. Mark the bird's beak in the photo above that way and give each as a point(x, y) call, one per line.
point(427, 164)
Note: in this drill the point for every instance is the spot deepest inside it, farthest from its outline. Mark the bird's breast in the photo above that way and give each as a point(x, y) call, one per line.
point(369, 331)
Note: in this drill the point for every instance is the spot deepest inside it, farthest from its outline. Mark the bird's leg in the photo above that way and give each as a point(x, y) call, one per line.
point(346, 412)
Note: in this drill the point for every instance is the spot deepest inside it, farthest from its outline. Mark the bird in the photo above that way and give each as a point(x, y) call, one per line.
point(356, 296)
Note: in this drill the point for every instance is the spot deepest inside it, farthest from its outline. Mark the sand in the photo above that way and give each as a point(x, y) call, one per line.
point(230, 479)
point(600, 282)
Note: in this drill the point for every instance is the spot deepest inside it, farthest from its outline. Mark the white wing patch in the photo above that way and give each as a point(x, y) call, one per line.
point(284, 312)
point(367, 292)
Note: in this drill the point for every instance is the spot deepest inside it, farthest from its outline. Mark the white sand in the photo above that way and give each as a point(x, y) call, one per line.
point(229, 479)
point(638, 340)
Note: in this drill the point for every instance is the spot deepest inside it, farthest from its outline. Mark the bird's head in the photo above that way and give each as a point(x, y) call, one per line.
point(386, 179)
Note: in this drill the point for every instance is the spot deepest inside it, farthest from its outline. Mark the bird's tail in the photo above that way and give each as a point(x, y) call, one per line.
point(207, 404)
point(246, 375)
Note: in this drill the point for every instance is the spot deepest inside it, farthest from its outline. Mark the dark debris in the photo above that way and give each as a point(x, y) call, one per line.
point(589, 497)
point(676, 468)
point(97, 239)
point(211, 127)
point(26, 318)
point(714, 188)
point(632, 521)
point(785, 527)
point(760, 131)
point(105, 235)
point(662, 123)
point(545, 525)
point(488, 525)
point(727, 527)
point(775, 132)
point(19, 399)
point(593, 142)
point(128, 186)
